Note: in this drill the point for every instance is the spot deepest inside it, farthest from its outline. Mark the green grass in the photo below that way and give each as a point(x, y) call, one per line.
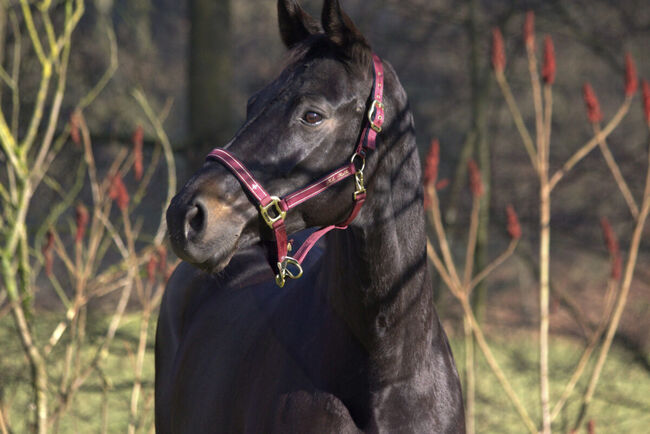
point(85, 414)
point(621, 403)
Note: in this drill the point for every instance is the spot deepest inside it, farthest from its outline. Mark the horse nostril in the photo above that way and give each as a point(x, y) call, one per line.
point(195, 219)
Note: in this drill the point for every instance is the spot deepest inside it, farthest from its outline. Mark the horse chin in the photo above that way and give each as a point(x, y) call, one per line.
point(218, 261)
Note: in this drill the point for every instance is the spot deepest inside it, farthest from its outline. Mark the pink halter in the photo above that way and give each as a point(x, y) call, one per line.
point(274, 209)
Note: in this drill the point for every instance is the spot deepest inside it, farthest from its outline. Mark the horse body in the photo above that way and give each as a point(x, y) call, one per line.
point(355, 345)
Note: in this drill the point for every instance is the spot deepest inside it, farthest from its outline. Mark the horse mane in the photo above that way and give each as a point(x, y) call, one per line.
point(318, 46)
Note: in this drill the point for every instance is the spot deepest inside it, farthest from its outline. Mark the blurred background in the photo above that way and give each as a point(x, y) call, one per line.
point(198, 61)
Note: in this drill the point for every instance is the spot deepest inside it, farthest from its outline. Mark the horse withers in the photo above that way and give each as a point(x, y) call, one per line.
point(355, 344)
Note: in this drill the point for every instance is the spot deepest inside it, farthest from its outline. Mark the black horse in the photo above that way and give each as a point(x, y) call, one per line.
point(355, 345)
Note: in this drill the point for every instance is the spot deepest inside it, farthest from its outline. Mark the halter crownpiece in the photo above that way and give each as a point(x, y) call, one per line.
point(273, 209)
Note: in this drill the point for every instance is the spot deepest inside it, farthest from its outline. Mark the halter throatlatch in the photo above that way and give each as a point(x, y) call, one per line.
point(273, 209)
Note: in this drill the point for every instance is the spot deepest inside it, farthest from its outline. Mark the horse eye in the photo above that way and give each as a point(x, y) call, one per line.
point(312, 118)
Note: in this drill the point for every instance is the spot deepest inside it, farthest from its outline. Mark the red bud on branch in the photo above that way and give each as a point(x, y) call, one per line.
point(81, 220)
point(613, 248)
point(47, 252)
point(591, 427)
point(432, 162)
point(548, 67)
point(591, 101)
point(475, 181)
point(442, 184)
point(529, 31)
point(610, 237)
point(646, 101)
point(138, 137)
point(162, 259)
point(74, 128)
point(152, 266)
point(119, 193)
point(631, 80)
point(617, 267)
point(514, 228)
point(498, 51)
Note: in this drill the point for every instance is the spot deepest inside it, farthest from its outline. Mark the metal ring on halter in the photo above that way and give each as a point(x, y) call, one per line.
point(363, 161)
point(284, 271)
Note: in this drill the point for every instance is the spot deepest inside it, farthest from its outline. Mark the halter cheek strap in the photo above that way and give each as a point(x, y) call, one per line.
point(273, 209)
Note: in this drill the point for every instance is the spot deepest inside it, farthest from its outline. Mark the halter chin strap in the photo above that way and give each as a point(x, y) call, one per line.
point(273, 209)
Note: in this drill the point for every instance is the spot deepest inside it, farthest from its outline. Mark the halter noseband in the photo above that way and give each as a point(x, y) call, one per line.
point(273, 209)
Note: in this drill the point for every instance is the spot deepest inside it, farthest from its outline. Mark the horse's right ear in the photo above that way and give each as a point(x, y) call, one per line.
point(296, 25)
point(340, 29)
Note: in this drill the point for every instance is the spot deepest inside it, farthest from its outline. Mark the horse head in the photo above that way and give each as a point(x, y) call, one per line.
point(303, 125)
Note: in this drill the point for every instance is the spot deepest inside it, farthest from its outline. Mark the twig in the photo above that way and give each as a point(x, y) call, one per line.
point(537, 99)
point(106, 386)
point(436, 217)
point(470, 392)
point(461, 295)
point(169, 157)
point(548, 114)
point(584, 358)
point(591, 144)
point(139, 364)
point(437, 262)
point(33, 34)
point(618, 177)
point(102, 351)
point(40, 379)
point(621, 302)
point(148, 176)
point(494, 265)
point(471, 243)
point(518, 119)
point(15, 72)
point(54, 117)
point(470, 377)
point(494, 366)
point(3, 424)
point(108, 74)
point(544, 148)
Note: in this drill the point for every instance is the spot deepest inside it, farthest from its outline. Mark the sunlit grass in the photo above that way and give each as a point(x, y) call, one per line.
point(621, 403)
point(85, 414)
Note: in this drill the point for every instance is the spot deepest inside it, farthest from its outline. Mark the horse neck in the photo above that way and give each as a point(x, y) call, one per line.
point(381, 287)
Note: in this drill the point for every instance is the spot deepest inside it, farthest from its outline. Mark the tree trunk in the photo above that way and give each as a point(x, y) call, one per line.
point(210, 76)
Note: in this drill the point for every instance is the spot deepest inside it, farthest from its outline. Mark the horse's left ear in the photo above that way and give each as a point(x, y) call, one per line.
point(340, 29)
point(296, 25)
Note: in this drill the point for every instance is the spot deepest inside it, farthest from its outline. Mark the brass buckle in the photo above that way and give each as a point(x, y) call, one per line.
point(373, 107)
point(361, 188)
point(284, 271)
point(264, 210)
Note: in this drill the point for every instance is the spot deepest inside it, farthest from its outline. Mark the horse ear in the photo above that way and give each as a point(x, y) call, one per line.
point(296, 25)
point(340, 29)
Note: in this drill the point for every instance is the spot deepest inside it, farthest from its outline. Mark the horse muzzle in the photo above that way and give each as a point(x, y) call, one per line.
point(204, 230)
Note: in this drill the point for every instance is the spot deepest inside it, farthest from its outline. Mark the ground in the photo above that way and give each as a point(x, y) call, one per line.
point(621, 403)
